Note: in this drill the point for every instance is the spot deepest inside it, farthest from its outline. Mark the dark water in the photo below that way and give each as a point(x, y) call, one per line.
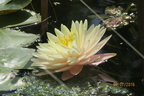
point(126, 66)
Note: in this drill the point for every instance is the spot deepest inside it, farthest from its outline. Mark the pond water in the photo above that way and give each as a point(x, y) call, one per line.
point(126, 66)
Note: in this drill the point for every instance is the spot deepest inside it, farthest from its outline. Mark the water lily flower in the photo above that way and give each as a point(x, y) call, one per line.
point(70, 50)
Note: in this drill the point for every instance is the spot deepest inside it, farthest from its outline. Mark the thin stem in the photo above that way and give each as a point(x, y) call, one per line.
point(58, 80)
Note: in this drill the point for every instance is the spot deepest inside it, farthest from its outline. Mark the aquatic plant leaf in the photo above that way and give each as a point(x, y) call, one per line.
point(10, 60)
point(9, 6)
point(15, 38)
point(15, 58)
point(12, 84)
point(8, 80)
point(19, 18)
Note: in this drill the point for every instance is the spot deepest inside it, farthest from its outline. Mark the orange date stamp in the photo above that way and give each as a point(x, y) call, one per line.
point(124, 84)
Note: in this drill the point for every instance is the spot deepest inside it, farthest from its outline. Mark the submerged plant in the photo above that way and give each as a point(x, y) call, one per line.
point(117, 17)
point(70, 50)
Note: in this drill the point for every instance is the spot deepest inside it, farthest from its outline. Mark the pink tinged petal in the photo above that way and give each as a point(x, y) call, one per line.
point(76, 69)
point(66, 75)
point(100, 58)
point(93, 58)
point(84, 61)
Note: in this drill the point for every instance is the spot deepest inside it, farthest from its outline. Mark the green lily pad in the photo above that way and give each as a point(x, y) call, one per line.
point(12, 84)
point(8, 81)
point(15, 38)
point(19, 18)
point(9, 6)
point(12, 59)
point(15, 58)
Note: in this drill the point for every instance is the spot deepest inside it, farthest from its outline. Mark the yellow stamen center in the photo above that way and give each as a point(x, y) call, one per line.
point(66, 39)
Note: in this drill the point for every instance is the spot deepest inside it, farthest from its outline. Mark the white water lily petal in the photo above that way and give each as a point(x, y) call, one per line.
point(65, 30)
point(97, 47)
point(58, 33)
point(52, 37)
point(70, 50)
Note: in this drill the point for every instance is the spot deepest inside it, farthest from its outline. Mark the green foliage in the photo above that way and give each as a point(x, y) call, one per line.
point(13, 38)
point(22, 17)
point(9, 6)
point(10, 60)
point(8, 81)
point(14, 57)
point(18, 16)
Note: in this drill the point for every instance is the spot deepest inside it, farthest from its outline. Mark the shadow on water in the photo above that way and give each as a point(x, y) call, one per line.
point(126, 66)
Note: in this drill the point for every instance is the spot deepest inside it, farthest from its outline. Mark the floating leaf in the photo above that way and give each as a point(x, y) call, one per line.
point(13, 38)
point(10, 60)
point(8, 81)
point(12, 84)
point(15, 58)
point(22, 17)
point(9, 6)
